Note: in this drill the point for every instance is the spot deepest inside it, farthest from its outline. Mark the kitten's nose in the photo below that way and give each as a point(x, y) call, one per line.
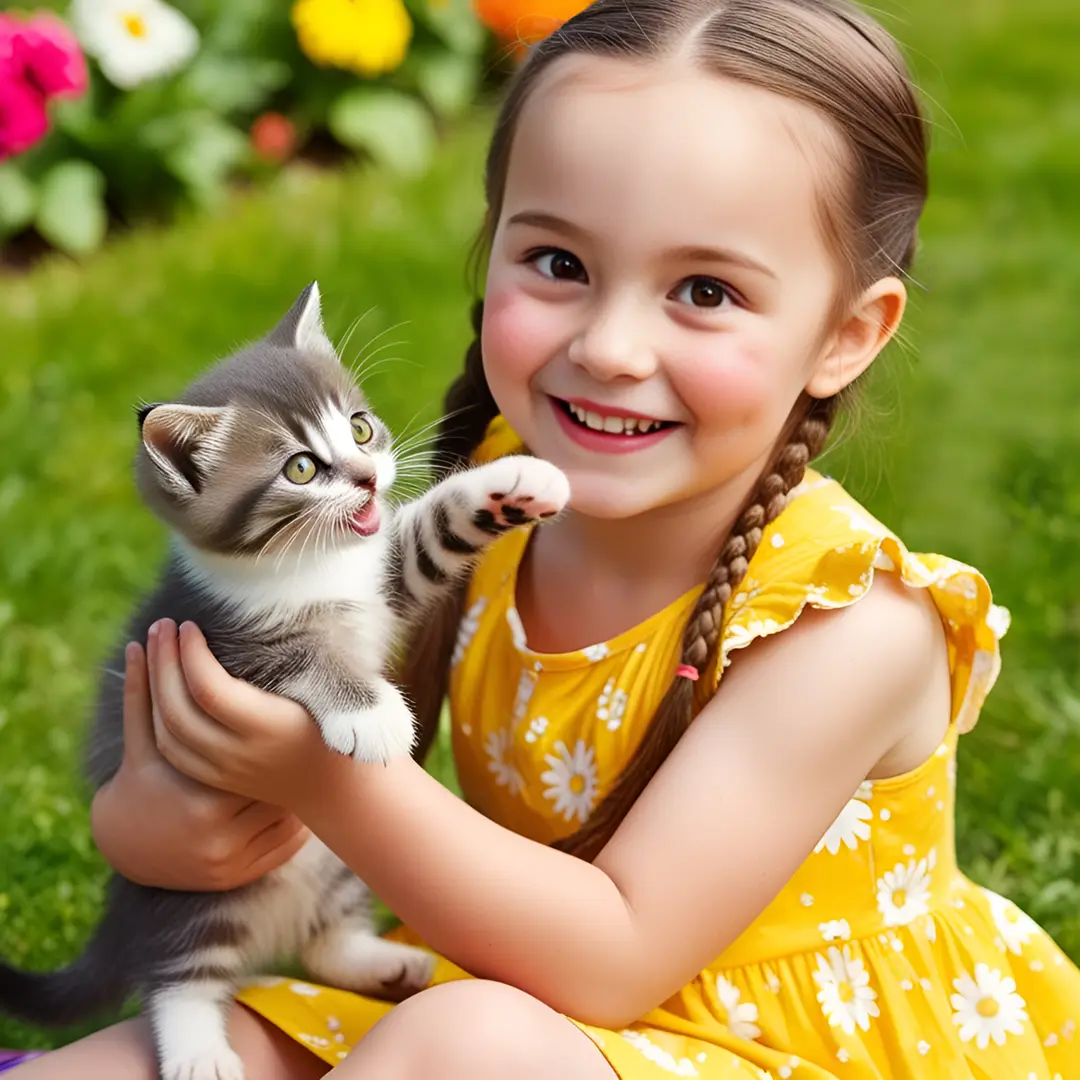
point(362, 473)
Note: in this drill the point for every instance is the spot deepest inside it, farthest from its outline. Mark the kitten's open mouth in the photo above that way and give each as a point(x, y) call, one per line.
point(365, 521)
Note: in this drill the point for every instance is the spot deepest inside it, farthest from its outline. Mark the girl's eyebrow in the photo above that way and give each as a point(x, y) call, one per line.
point(692, 253)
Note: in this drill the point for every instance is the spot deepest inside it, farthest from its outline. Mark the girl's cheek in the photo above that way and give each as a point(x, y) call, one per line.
point(518, 336)
point(730, 392)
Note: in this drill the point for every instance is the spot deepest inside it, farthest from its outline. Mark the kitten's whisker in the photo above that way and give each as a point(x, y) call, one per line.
point(344, 344)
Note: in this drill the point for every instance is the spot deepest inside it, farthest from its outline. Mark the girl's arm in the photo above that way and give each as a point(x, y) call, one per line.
point(158, 827)
point(803, 718)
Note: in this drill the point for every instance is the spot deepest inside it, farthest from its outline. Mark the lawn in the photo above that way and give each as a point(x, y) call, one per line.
point(971, 445)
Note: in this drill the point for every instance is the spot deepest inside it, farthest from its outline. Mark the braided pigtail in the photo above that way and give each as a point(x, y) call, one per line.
point(467, 410)
point(702, 636)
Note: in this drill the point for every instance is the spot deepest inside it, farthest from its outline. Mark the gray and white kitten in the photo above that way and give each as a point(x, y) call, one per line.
point(272, 473)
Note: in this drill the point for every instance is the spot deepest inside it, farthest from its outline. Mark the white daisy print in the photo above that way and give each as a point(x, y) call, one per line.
point(595, 653)
point(835, 930)
point(571, 780)
point(497, 746)
point(467, 628)
point(741, 1015)
point(987, 1007)
point(848, 829)
point(526, 686)
point(537, 727)
point(1012, 924)
point(903, 893)
point(858, 522)
point(658, 1055)
point(844, 991)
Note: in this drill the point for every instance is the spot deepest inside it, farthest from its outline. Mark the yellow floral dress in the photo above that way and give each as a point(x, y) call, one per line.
point(878, 959)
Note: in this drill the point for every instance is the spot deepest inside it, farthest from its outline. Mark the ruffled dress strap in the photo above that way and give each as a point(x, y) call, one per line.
point(823, 552)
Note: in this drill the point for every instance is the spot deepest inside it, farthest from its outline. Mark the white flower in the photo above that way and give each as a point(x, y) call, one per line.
point(835, 930)
point(517, 629)
point(304, 989)
point(658, 1055)
point(903, 893)
point(740, 1014)
point(858, 522)
point(987, 1007)
point(595, 653)
point(849, 828)
point(571, 780)
point(470, 623)
point(134, 41)
point(496, 746)
point(1012, 924)
point(844, 990)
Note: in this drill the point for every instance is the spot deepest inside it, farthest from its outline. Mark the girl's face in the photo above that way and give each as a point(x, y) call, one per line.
point(660, 285)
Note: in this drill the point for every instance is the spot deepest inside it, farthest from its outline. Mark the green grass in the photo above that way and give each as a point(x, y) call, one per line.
point(976, 450)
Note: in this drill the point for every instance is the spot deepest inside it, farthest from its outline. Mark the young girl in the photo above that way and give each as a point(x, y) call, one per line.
point(705, 723)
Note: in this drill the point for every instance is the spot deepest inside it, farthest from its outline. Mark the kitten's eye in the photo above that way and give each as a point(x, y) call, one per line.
point(560, 265)
point(300, 469)
point(703, 292)
point(362, 431)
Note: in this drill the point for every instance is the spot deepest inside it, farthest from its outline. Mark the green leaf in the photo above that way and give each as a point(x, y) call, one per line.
point(203, 154)
point(234, 84)
point(455, 22)
point(18, 200)
point(71, 210)
point(447, 80)
point(396, 130)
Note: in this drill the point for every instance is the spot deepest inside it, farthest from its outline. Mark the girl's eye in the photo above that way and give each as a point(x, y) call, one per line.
point(703, 292)
point(362, 431)
point(300, 469)
point(560, 265)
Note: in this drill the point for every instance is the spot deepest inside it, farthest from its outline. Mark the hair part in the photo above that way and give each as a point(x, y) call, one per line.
point(830, 56)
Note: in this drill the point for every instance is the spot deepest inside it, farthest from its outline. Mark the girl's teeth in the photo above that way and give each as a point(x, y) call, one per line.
point(613, 425)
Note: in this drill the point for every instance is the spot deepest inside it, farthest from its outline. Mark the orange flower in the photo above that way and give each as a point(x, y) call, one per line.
point(526, 20)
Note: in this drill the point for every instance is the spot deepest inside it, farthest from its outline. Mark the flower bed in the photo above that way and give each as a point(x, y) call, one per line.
point(123, 110)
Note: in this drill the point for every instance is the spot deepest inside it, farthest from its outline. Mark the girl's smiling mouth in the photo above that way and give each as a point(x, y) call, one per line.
point(602, 429)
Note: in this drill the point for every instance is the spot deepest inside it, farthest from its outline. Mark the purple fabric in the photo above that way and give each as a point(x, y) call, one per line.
point(10, 1058)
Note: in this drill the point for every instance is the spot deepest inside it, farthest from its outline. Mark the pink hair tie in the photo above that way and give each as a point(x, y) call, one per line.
point(685, 671)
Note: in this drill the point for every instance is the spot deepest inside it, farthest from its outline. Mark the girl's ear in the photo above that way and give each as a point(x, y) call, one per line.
point(867, 329)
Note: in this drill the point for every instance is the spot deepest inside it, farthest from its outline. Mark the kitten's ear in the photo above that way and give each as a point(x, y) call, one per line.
point(302, 327)
point(184, 442)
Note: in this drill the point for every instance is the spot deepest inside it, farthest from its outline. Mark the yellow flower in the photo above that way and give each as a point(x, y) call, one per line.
point(369, 37)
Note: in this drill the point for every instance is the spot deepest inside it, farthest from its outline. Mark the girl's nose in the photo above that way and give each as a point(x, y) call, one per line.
point(612, 345)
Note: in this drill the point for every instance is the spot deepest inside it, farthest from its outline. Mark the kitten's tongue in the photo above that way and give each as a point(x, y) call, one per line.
point(365, 521)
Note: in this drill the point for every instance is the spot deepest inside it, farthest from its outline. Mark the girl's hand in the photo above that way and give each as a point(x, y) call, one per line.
point(162, 829)
point(227, 734)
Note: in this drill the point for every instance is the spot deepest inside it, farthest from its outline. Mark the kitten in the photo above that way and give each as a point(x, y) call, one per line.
point(271, 473)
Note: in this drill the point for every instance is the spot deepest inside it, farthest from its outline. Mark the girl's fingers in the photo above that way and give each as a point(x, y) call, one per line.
point(138, 713)
point(286, 836)
point(186, 760)
point(175, 710)
point(277, 853)
point(256, 816)
point(232, 702)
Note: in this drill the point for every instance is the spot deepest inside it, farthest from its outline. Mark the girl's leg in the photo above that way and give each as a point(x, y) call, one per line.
point(125, 1052)
point(475, 1030)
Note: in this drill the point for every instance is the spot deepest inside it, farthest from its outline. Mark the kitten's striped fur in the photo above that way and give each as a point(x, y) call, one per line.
point(292, 599)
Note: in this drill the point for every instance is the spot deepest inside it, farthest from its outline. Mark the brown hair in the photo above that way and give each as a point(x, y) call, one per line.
point(829, 55)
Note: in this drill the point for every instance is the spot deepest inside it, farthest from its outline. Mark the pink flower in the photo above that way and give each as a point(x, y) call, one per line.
point(23, 120)
point(54, 62)
point(39, 59)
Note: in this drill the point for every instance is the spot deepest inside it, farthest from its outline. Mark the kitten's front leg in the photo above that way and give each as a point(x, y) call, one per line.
point(439, 537)
point(367, 719)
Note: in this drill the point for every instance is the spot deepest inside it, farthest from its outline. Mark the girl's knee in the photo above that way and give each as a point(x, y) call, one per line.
point(476, 1029)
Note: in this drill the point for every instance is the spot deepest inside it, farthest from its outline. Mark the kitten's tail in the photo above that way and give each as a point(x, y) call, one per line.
point(93, 984)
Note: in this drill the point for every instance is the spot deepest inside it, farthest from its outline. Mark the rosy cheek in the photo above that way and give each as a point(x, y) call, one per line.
point(516, 334)
point(731, 392)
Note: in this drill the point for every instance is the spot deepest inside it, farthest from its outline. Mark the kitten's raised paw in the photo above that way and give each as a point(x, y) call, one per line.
point(520, 490)
point(224, 1065)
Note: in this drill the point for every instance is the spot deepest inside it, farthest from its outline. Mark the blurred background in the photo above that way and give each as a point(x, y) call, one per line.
point(172, 175)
